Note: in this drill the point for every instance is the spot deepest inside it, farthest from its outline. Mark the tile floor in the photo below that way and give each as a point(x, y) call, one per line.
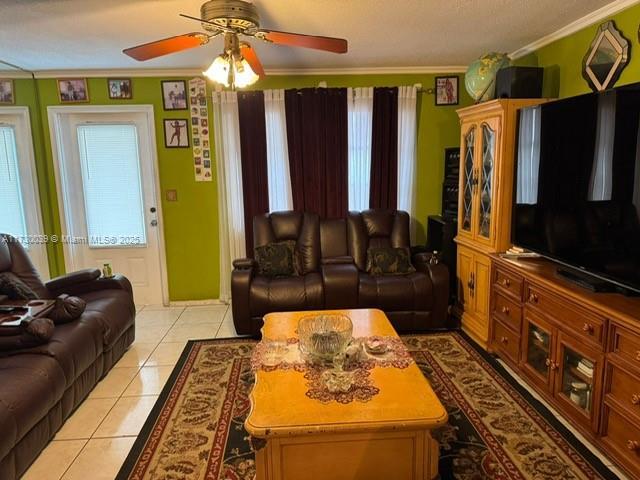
point(96, 439)
point(94, 442)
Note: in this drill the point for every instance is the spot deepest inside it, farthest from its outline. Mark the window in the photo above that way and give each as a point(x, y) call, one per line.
point(111, 181)
point(12, 216)
point(528, 156)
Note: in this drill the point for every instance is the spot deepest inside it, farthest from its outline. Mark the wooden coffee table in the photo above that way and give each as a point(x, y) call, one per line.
point(385, 437)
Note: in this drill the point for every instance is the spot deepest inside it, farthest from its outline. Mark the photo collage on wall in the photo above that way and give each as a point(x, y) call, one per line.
point(199, 113)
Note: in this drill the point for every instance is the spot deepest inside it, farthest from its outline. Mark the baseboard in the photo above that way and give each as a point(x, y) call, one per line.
point(195, 303)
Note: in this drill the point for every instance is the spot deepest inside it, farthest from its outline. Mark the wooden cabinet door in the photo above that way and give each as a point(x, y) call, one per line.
point(578, 381)
point(487, 163)
point(464, 271)
point(538, 350)
point(466, 200)
point(482, 287)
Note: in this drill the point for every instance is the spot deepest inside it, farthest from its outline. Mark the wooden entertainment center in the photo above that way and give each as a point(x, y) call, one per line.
point(579, 350)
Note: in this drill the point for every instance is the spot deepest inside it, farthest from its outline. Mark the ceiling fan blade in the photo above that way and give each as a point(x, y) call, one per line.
point(330, 44)
point(251, 57)
point(165, 46)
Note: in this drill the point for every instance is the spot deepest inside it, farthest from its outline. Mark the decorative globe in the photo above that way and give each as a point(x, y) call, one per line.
point(480, 79)
point(323, 336)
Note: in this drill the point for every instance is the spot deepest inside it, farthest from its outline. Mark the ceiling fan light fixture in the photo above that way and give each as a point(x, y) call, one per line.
point(218, 71)
point(244, 74)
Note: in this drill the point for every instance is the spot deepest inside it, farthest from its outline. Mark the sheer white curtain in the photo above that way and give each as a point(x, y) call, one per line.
point(528, 156)
point(407, 140)
point(600, 187)
point(360, 114)
point(230, 199)
point(277, 151)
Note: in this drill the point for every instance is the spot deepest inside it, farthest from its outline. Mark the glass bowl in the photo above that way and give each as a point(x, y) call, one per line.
point(324, 336)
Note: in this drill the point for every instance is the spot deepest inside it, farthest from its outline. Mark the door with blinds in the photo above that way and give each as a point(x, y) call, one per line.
point(106, 174)
point(20, 214)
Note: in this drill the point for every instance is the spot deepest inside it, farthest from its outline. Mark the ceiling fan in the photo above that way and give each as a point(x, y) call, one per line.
point(238, 65)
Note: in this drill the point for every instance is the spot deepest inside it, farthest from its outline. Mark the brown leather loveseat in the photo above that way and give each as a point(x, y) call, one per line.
point(333, 255)
point(41, 386)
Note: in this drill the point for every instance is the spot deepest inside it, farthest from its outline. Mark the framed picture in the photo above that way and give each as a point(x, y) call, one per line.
point(73, 90)
point(174, 94)
point(176, 133)
point(120, 88)
point(447, 90)
point(7, 97)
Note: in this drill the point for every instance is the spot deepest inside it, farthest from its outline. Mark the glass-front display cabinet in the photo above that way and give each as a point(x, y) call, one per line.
point(537, 350)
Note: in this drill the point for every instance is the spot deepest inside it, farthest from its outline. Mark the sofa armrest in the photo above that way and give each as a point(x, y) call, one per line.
point(428, 264)
point(244, 264)
point(243, 271)
point(85, 281)
point(341, 260)
point(341, 282)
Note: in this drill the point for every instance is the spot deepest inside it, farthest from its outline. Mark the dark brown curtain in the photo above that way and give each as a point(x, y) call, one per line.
point(253, 148)
point(383, 191)
point(317, 133)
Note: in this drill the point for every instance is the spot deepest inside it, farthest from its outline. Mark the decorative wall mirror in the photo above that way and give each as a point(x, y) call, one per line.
point(606, 58)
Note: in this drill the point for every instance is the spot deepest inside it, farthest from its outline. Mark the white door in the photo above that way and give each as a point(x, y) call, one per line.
point(106, 171)
point(19, 201)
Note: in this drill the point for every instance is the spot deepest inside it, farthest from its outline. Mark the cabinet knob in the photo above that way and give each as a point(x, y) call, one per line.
point(504, 340)
point(506, 310)
point(533, 298)
point(587, 328)
point(552, 365)
point(633, 445)
point(638, 355)
point(635, 399)
point(506, 282)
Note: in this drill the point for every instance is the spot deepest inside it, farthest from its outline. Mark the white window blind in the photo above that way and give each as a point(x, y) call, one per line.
point(109, 159)
point(12, 219)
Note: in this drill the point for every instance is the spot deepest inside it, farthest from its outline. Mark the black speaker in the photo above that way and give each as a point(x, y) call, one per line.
point(519, 82)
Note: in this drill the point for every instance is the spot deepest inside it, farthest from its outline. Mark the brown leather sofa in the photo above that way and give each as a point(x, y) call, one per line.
point(333, 256)
point(41, 386)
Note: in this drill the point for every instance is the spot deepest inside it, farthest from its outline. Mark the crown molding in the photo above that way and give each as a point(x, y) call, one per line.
point(586, 21)
point(192, 72)
point(14, 74)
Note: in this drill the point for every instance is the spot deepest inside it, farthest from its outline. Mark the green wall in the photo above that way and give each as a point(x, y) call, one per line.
point(562, 59)
point(191, 224)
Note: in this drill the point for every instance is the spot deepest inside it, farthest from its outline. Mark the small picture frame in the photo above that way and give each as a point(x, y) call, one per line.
point(176, 133)
point(7, 95)
point(174, 94)
point(447, 90)
point(120, 88)
point(73, 90)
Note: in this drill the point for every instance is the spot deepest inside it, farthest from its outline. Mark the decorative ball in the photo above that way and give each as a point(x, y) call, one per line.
point(480, 79)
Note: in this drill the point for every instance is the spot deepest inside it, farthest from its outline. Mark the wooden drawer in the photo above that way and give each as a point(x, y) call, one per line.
point(508, 311)
point(568, 316)
point(624, 387)
point(626, 344)
point(623, 438)
point(506, 342)
point(509, 282)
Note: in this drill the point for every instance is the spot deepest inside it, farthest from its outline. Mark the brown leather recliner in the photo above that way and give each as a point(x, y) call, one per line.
point(334, 255)
point(42, 386)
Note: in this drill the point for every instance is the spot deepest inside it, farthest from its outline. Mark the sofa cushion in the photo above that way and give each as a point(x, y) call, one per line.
point(276, 259)
point(389, 261)
point(31, 386)
point(114, 310)
point(411, 292)
point(270, 294)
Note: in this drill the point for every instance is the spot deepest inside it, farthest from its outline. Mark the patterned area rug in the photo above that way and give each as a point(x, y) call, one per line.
point(496, 430)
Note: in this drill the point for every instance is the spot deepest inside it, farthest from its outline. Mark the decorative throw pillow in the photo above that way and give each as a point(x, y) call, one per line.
point(67, 309)
point(26, 335)
point(14, 288)
point(389, 261)
point(277, 259)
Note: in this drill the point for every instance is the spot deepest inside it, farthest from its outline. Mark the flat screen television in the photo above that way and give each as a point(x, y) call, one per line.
point(577, 184)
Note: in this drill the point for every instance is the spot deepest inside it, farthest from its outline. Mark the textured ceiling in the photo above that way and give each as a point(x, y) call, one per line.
point(90, 34)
